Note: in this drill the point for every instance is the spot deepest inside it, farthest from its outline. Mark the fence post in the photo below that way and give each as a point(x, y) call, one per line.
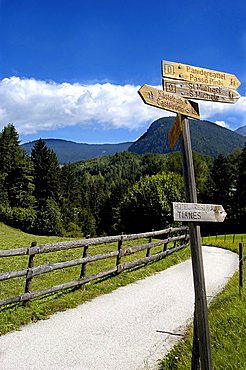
point(241, 267)
point(83, 268)
point(85, 253)
point(187, 236)
point(30, 265)
point(225, 237)
point(148, 249)
point(165, 244)
point(118, 258)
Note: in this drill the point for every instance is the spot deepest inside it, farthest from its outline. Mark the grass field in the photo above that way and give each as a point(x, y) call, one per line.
point(13, 316)
point(227, 313)
point(227, 319)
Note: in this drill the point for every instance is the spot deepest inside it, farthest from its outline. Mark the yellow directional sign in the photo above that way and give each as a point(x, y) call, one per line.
point(175, 132)
point(198, 91)
point(168, 101)
point(199, 75)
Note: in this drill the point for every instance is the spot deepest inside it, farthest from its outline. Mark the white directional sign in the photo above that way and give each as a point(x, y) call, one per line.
point(196, 212)
point(200, 91)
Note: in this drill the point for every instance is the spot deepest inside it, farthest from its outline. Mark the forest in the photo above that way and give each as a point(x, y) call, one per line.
point(125, 192)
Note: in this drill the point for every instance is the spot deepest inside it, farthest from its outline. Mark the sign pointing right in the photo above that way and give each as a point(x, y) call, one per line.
point(199, 75)
point(195, 212)
point(198, 91)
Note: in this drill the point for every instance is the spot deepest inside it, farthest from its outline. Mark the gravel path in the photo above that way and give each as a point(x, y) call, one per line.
point(128, 329)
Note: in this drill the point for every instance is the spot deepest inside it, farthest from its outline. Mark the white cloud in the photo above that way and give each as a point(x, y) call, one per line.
point(222, 124)
point(33, 105)
point(210, 109)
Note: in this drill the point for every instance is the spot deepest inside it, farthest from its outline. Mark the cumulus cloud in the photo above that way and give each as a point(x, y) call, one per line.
point(210, 109)
point(222, 124)
point(38, 105)
point(33, 105)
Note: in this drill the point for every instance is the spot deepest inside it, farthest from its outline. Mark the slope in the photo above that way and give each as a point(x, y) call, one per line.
point(69, 151)
point(207, 138)
point(241, 130)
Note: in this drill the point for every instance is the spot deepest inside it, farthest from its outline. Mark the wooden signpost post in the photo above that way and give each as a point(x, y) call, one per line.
point(208, 85)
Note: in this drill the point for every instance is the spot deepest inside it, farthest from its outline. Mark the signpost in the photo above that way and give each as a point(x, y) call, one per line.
point(202, 84)
point(198, 212)
point(201, 354)
point(199, 75)
point(168, 101)
point(198, 91)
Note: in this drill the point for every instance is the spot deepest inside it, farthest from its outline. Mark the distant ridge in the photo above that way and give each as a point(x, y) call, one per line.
point(207, 138)
point(241, 130)
point(70, 151)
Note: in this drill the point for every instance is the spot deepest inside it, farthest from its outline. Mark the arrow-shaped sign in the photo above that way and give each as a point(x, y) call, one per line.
point(199, 75)
point(198, 91)
point(175, 132)
point(168, 101)
point(195, 212)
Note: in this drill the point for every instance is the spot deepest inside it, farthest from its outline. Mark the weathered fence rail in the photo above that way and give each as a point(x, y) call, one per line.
point(32, 271)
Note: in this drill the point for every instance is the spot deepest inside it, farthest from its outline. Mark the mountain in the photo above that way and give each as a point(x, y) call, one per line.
point(241, 130)
point(69, 151)
point(207, 138)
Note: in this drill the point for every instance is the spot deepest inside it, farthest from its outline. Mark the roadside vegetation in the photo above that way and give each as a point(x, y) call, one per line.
point(125, 192)
point(227, 320)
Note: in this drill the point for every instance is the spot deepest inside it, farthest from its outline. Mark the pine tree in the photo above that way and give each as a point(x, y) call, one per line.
point(222, 181)
point(240, 194)
point(16, 180)
point(70, 194)
point(46, 173)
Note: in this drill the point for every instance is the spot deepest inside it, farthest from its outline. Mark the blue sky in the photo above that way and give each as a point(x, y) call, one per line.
point(71, 69)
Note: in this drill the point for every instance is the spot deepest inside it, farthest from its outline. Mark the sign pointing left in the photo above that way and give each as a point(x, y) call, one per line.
point(168, 101)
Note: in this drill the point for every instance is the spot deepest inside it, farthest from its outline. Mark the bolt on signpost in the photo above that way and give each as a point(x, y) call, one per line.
point(201, 84)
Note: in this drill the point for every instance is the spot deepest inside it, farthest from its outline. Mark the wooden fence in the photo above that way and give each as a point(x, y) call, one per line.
point(179, 240)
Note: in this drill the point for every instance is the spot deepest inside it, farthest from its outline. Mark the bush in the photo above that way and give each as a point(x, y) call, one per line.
point(73, 230)
point(49, 219)
point(24, 218)
point(21, 218)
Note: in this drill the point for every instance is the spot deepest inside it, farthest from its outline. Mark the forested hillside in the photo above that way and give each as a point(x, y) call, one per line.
point(125, 192)
point(69, 151)
point(241, 130)
point(207, 138)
